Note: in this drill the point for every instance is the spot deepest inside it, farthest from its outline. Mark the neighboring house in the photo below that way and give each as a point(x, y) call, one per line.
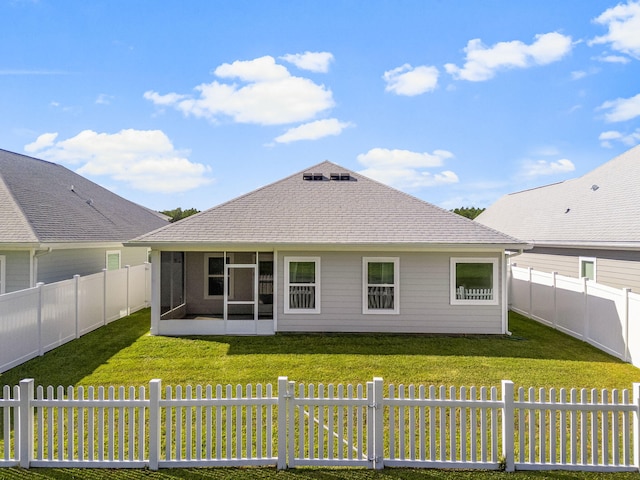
point(585, 227)
point(328, 250)
point(56, 224)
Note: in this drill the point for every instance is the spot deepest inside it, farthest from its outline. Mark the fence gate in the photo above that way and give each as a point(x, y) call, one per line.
point(330, 425)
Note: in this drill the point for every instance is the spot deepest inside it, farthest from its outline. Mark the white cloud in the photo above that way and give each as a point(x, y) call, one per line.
point(104, 99)
point(621, 109)
point(483, 62)
point(144, 159)
point(45, 140)
point(312, 61)
point(313, 130)
point(612, 135)
point(163, 100)
point(613, 59)
point(623, 22)
point(406, 169)
point(409, 81)
point(270, 95)
point(537, 168)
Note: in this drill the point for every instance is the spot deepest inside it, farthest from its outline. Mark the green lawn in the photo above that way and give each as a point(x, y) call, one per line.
point(123, 353)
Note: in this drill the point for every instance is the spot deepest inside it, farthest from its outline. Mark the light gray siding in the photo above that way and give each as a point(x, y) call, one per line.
point(618, 269)
point(63, 264)
point(17, 270)
point(424, 298)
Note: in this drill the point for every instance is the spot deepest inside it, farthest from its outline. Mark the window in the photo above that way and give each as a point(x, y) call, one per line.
point(3, 287)
point(474, 281)
point(113, 260)
point(214, 275)
point(302, 284)
point(588, 268)
point(380, 285)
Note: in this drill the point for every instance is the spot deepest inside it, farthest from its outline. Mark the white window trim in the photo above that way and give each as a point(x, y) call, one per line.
point(452, 288)
point(365, 286)
point(3, 277)
point(595, 266)
point(113, 252)
point(287, 262)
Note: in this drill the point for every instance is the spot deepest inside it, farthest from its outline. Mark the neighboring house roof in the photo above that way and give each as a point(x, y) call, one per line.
point(596, 210)
point(42, 202)
point(357, 211)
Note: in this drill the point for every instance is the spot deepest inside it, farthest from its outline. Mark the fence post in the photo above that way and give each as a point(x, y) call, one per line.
point(76, 288)
point(155, 387)
point(104, 296)
point(128, 267)
point(636, 426)
point(39, 318)
point(585, 310)
point(377, 404)
point(508, 430)
point(625, 312)
point(283, 385)
point(530, 306)
point(555, 299)
point(147, 284)
point(25, 452)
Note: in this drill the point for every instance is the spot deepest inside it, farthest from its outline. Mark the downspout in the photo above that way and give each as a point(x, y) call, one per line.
point(33, 260)
point(505, 290)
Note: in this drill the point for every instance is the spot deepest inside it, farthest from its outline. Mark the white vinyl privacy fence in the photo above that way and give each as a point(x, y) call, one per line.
point(606, 317)
point(370, 426)
point(36, 320)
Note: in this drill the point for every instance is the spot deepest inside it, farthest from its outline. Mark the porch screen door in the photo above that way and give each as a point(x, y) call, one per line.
point(240, 305)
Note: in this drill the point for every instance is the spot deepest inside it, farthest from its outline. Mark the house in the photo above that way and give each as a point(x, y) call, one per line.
point(328, 250)
point(56, 224)
point(585, 227)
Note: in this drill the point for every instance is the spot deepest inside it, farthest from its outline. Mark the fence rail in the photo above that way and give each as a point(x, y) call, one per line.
point(37, 320)
point(341, 425)
point(607, 318)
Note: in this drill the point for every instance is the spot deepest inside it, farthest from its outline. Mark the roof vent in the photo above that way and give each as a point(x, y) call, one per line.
point(313, 177)
point(340, 177)
point(594, 187)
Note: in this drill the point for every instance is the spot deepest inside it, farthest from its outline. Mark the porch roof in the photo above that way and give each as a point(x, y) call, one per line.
point(349, 209)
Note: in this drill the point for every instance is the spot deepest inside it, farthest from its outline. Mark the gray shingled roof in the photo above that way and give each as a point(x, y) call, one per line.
point(297, 211)
point(38, 205)
point(597, 209)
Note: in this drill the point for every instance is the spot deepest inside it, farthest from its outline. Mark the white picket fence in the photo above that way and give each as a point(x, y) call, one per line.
point(321, 425)
point(39, 319)
point(606, 317)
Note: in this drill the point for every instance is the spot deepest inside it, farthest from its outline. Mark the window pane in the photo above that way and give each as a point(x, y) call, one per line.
point(474, 275)
point(302, 272)
point(216, 286)
point(216, 265)
point(381, 273)
point(588, 270)
point(113, 261)
point(302, 297)
point(380, 298)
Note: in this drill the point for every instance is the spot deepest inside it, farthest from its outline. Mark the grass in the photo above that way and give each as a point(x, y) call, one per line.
point(122, 353)
point(298, 474)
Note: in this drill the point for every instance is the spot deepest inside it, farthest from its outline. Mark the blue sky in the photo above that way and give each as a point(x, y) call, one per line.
point(191, 103)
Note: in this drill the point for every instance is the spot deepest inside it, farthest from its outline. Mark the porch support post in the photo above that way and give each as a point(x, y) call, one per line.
point(155, 292)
